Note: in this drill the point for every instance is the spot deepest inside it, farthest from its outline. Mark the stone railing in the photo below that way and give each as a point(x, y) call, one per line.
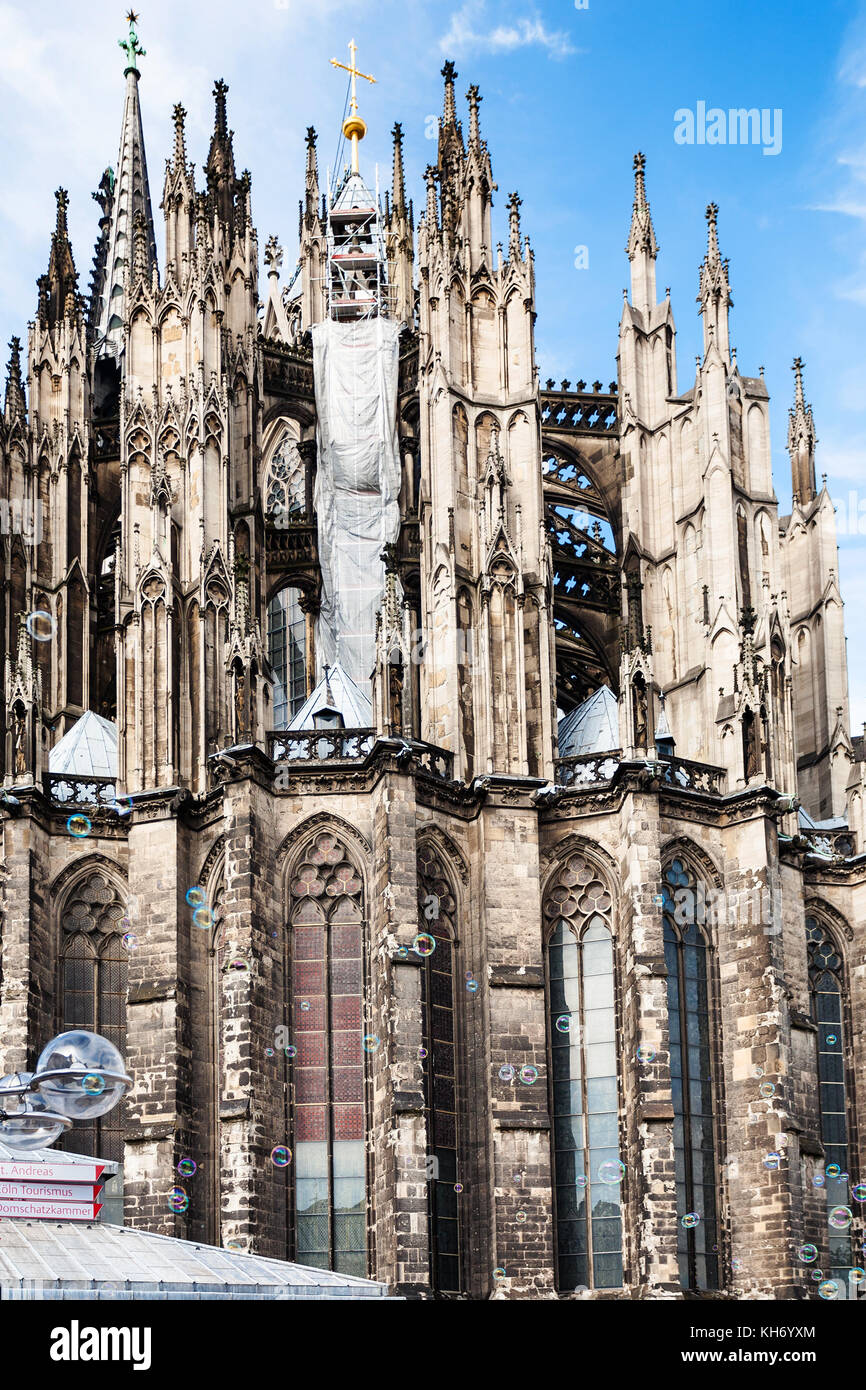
point(586, 769)
point(694, 777)
point(79, 791)
point(321, 745)
point(584, 411)
point(839, 844)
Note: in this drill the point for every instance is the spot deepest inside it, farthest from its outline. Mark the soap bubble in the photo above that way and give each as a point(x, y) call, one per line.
point(736, 1265)
point(269, 1052)
point(506, 1072)
point(422, 1053)
point(79, 826)
point(646, 1053)
point(40, 625)
point(840, 1218)
point(196, 896)
point(291, 1050)
point(499, 1272)
point(130, 940)
point(281, 1157)
point(831, 1039)
point(402, 953)
point(808, 1253)
point(858, 1192)
point(469, 975)
point(187, 1167)
point(472, 986)
point(371, 1042)
point(563, 1023)
point(771, 1161)
point(581, 1181)
point(818, 1180)
point(30, 1125)
point(529, 1075)
point(122, 805)
point(856, 1276)
point(82, 1055)
point(521, 1217)
point(458, 1187)
point(424, 944)
point(832, 1170)
point(767, 1089)
point(690, 1220)
point(93, 1084)
point(203, 917)
point(238, 966)
point(178, 1201)
point(829, 1289)
point(757, 1071)
point(817, 1275)
point(611, 1173)
point(304, 1006)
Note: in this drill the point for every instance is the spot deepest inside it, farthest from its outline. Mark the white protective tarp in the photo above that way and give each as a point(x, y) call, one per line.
point(355, 367)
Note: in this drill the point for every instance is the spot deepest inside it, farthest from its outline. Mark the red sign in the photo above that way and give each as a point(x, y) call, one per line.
point(50, 1191)
point(24, 1170)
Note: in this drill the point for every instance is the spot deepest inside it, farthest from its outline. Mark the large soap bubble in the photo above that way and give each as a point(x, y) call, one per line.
point(73, 1059)
point(29, 1123)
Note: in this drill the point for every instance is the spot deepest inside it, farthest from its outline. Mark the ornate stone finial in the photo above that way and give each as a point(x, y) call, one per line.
point(179, 115)
point(475, 99)
point(449, 110)
point(398, 182)
point(220, 91)
point(273, 256)
point(432, 217)
point(62, 197)
point(131, 46)
point(514, 204)
point(797, 369)
point(354, 128)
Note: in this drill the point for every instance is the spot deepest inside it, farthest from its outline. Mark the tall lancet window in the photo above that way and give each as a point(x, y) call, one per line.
point(691, 1031)
point(287, 653)
point(436, 918)
point(826, 981)
point(328, 1102)
point(583, 1079)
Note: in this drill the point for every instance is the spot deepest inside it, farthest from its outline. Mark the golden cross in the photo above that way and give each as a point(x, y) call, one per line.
point(354, 126)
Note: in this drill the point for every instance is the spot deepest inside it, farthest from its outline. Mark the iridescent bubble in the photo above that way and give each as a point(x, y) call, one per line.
point(304, 1006)
point(79, 826)
point(281, 1157)
point(563, 1023)
point(757, 1071)
point(831, 1039)
point(771, 1161)
point(178, 1201)
point(458, 1187)
point(767, 1089)
point(581, 1180)
point(499, 1272)
point(93, 1083)
point(506, 1073)
point(424, 944)
point(829, 1289)
point(196, 896)
point(529, 1075)
point(203, 917)
point(422, 1053)
point(690, 1220)
point(521, 1217)
point(370, 1042)
point(187, 1167)
point(840, 1218)
point(122, 805)
point(472, 986)
point(832, 1170)
point(808, 1253)
point(130, 940)
point(856, 1276)
point(269, 1052)
point(469, 975)
point(736, 1265)
point(818, 1180)
point(291, 1050)
point(612, 1172)
point(858, 1192)
point(402, 953)
point(40, 625)
point(817, 1275)
point(646, 1053)
point(239, 965)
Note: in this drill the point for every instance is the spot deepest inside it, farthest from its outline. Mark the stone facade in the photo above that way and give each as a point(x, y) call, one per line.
point(552, 540)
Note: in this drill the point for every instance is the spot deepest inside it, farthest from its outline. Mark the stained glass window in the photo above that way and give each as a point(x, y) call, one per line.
point(93, 996)
point(285, 481)
point(328, 1069)
point(436, 918)
point(826, 975)
point(691, 1082)
point(287, 653)
point(584, 1100)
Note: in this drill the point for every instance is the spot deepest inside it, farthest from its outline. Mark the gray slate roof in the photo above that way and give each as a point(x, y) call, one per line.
point(90, 1260)
point(591, 728)
point(88, 749)
point(341, 693)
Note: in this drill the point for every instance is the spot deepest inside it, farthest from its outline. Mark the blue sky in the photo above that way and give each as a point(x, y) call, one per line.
point(569, 96)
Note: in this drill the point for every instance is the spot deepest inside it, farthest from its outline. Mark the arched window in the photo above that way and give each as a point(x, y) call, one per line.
point(285, 482)
point(436, 918)
point(691, 1079)
point(287, 653)
point(583, 1079)
point(327, 973)
point(826, 978)
point(93, 992)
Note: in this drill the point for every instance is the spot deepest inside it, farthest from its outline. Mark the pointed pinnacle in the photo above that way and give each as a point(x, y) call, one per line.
point(179, 115)
point(449, 72)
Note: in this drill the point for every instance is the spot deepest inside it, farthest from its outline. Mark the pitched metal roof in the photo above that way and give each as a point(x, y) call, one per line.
point(591, 728)
point(336, 691)
point(77, 1260)
point(88, 749)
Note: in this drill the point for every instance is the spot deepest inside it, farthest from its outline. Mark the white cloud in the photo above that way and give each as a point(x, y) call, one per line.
point(463, 34)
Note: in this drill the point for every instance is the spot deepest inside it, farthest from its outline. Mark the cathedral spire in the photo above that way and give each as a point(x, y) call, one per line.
point(58, 289)
point(449, 110)
point(220, 167)
point(312, 173)
point(801, 440)
point(714, 295)
point(398, 184)
point(642, 247)
point(474, 98)
point(131, 195)
point(515, 252)
point(179, 117)
point(15, 406)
